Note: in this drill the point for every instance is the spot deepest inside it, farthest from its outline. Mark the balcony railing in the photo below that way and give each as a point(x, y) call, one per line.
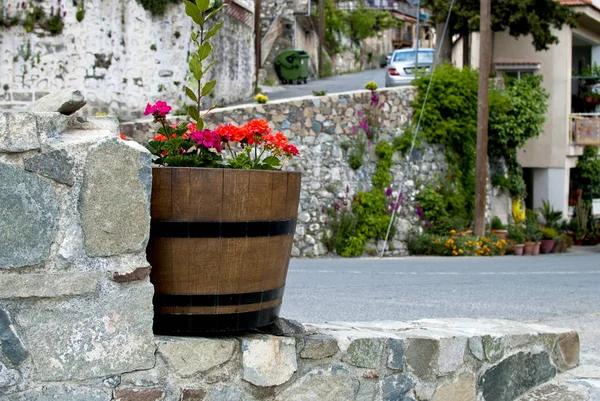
point(585, 129)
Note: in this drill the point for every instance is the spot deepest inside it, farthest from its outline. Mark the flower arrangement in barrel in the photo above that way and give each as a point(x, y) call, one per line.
point(253, 145)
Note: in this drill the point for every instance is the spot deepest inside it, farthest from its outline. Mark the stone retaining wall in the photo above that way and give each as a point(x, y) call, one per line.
point(320, 126)
point(76, 303)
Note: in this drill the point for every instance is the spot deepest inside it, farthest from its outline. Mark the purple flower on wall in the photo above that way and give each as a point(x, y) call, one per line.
point(388, 192)
point(420, 212)
point(426, 224)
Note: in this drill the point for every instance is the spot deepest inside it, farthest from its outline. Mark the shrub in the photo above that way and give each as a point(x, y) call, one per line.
point(549, 233)
point(260, 98)
point(371, 86)
point(454, 244)
point(497, 224)
point(319, 93)
point(516, 233)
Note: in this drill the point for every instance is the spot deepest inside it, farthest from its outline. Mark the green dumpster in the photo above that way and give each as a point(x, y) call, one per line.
point(292, 66)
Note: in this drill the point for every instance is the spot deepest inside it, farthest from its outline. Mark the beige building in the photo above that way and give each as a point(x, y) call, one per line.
point(571, 122)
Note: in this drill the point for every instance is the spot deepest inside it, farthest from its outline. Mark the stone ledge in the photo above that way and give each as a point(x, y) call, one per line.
point(47, 285)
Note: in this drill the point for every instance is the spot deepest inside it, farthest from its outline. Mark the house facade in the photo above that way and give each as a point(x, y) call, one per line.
point(571, 123)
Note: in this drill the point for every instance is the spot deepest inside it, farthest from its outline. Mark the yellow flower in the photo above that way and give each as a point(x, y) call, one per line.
point(470, 243)
point(454, 253)
point(452, 232)
point(260, 98)
point(518, 210)
point(460, 251)
point(437, 240)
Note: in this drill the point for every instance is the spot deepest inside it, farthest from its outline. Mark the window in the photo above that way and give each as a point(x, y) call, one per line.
point(516, 70)
point(424, 56)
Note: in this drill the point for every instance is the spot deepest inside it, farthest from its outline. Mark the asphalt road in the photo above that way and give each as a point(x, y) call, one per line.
point(559, 290)
point(337, 84)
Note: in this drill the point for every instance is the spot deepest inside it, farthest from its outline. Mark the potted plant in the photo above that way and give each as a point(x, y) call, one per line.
point(498, 228)
point(516, 234)
point(223, 213)
point(582, 213)
point(549, 240)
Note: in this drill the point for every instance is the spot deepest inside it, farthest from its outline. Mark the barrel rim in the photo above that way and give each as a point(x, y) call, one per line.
point(159, 167)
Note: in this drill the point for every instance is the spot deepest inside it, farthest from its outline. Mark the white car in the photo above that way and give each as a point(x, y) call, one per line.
point(401, 69)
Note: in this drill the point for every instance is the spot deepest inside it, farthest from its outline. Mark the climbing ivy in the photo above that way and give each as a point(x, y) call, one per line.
point(31, 15)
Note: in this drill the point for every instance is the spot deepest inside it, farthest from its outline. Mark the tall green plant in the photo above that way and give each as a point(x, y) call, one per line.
point(586, 176)
point(199, 12)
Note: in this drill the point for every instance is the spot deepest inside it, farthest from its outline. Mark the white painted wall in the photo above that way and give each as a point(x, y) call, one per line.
point(551, 184)
point(147, 58)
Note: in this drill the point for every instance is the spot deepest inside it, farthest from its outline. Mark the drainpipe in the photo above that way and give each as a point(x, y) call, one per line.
point(417, 35)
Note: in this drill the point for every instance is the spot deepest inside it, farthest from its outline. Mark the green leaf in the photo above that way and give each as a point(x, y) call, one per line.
point(213, 13)
point(208, 87)
point(191, 94)
point(195, 37)
point(208, 67)
point(200, 124)
point(213, 31)
point(203, 4)
point(194, 13)
point(193, 112)
point(204, 50)
point(272, 161)
point(196, 67)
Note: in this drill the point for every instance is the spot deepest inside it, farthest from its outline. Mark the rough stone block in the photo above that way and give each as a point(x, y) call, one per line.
point(28, 217)
point(365, 352)
point(92, 337)
point(135, 394)
point(395, 354)
point(268, 361)
point(66, 101)
point(319, 346)
point(334, 383)
point(463, 389)
point(192, 356)
point(18, 132)
point(452, 354)
point(56, 392)
point(422, 356)
point(192, 394)
point(396, 388)
point(56, 164)
point(8, 377)
point(115, 199)
point(566, 353)
point(54, 285)
point(516, 375)
point(476, 348)
point(12, 346)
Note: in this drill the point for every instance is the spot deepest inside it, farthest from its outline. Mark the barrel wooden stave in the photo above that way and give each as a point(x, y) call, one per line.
point(221, 266)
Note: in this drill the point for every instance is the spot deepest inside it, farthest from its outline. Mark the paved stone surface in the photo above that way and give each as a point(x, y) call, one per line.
point(56, 164)
point(28, 217)
point(258, 357)
point(55, 285)
point(516, 375)
point(66, 101)
point(556, 290)
point(113, 195)
point(320, 384)
point(192, 356)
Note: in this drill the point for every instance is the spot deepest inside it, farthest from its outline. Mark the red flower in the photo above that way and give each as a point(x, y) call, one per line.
point(290, 150)
point(164, 153)
point(160, 137)
point(122, 136)
point(159, 109)
point(173, 136)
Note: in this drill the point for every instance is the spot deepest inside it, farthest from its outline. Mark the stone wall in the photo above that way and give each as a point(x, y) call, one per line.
point(319, 126)
point(121, 57)
point(76, 302)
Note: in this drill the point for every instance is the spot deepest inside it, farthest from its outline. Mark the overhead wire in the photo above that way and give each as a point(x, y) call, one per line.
point(416, 132)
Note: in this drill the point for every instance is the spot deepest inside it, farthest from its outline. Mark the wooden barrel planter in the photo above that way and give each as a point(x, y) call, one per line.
point(220, 246)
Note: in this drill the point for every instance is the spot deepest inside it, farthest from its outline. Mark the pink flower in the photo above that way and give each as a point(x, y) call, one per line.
point(159, 109)
point(207, 138)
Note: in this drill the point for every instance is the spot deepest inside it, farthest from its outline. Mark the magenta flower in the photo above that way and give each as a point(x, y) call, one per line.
point(159, 109)
point(388, 192)
point(420, 212)
point(426, 224)
point(207, 138)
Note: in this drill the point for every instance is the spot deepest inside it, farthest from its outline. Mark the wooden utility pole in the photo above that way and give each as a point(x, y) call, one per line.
point(485, 60)
point(321, 35)
point(257, 37)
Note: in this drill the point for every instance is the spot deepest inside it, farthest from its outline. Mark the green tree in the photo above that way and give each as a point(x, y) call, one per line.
point(518, 17)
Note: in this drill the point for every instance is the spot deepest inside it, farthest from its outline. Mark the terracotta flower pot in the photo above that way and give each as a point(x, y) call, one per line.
point(547, 245)
point(220, 244)
point(528, 248)
point(536, 249)
point(579, 242)
point(502, 234)
point(519, 249)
